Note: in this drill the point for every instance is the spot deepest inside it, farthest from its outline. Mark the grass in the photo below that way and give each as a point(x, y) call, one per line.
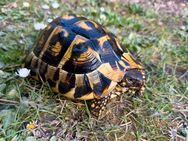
point(162, 47)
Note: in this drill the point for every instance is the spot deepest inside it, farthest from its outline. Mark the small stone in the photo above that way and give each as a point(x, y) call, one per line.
point(50, 20)
point(103, 17)
point(1, 64)
point(45, 7)
point(53, 138)
point(93, 105)
point(12, 94)
point(26, 4)
point(30, 138)
point(39, 26)
point(55, 5)
point(102, 9)
point(118, 93)
point(124, 89)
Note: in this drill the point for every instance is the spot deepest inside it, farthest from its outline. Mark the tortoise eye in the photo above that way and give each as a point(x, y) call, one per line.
point(129, 81)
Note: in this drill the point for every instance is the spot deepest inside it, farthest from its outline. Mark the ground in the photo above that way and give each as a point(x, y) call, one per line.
point(155, 30)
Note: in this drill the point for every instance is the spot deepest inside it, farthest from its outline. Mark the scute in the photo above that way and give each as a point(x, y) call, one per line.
point(82, 86)
point(82, 59)
point(66, 85)
point(101, 87)
point(70, 19)
point(87, 29)
point(79, 58)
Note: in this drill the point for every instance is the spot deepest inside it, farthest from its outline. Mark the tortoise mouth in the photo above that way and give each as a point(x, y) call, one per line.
point(135, 91)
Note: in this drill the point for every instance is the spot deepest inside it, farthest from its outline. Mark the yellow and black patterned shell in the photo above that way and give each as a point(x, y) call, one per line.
point(79, 58)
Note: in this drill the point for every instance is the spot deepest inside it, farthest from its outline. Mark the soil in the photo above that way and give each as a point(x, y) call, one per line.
point(171, 7)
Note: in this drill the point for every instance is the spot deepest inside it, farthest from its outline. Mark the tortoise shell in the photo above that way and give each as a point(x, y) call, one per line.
point(79, 58)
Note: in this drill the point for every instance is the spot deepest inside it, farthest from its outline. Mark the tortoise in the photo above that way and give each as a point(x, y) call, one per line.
point(82, 60)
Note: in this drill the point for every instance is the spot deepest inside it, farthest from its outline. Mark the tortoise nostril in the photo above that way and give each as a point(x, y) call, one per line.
point(139, 84)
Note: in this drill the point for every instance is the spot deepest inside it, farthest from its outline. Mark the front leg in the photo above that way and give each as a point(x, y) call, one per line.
point(96, 106)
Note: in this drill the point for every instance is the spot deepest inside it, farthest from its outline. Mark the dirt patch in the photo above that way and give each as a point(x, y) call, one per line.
point(171, 7)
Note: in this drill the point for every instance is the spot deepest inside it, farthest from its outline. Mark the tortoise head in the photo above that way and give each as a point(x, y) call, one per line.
point(134, 81)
